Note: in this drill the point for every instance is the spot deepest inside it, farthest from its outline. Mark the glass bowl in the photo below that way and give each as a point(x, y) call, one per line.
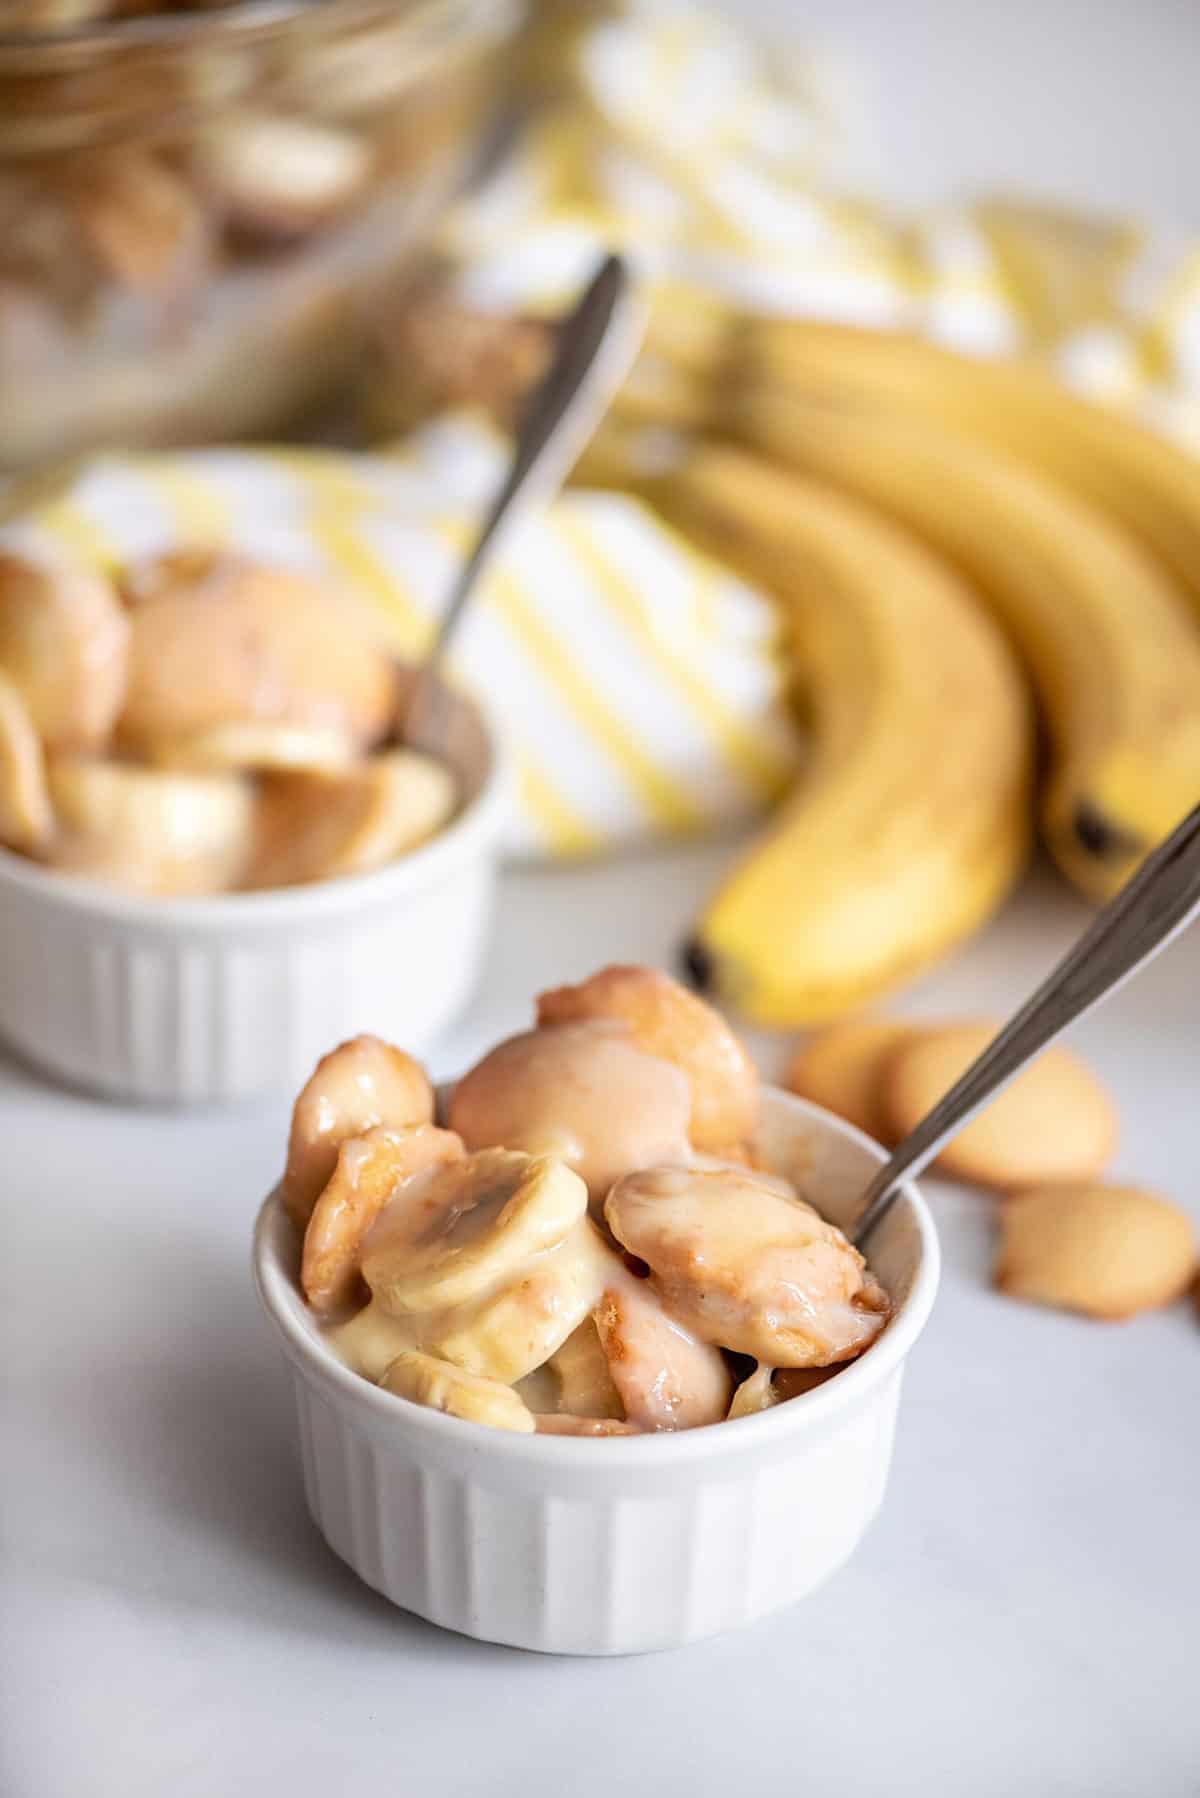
point(197, 206)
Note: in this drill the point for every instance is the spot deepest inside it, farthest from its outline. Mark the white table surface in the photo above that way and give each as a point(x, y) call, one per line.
point(1023, 1615)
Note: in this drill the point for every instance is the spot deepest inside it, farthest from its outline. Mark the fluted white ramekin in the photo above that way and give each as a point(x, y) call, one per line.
point(612, 1545)
point(194, 1001)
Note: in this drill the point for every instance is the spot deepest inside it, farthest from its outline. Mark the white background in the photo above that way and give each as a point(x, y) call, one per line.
point(1022, 1617)
point(1091, 101)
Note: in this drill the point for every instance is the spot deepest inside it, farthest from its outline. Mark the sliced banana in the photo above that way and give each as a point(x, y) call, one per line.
point(770, 1386)
point(313, 827)
point(508, 1335)
point(742, 1262)
point(154, 833)
point(583, 1092)
point(64, 644)
point(479, 1224)
point(222, 641)
point(26, 819)
point(539, 1389)
point(580, 1371)
point(665, 1377)
point(561, 1423)
point(668, 1021)
point(756, 1393)
point(371, 1170)
point(427, 1381)
point(528, 1319)
point(361, 1083)
point(257, 748)
point(372, 1339)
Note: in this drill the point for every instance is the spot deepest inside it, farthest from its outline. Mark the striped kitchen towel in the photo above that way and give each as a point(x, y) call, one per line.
point(731, 169)
point(641, 686)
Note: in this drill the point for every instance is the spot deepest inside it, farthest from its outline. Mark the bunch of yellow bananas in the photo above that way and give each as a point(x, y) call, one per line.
point(934, 524)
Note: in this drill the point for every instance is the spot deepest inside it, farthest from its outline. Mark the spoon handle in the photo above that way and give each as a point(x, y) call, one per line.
point(595, 346)
point(1152, 907)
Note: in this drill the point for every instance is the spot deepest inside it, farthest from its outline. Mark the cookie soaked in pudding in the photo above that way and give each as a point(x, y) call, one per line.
point(584, 1093)
point(743, 1262)
point(665, 1377)
point(370, 1172)
point(667, 1021)
point(585, 1251)
point(362, 1083)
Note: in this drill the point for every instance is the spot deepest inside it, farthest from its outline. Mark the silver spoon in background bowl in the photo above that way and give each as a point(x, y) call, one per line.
point(594, 348)
point(1153, 906)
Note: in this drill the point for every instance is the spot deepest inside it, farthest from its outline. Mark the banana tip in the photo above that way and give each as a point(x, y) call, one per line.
point(698, 964)
point(1098, 836)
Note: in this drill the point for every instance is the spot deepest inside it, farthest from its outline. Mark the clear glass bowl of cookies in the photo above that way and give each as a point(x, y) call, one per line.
point(198, 201)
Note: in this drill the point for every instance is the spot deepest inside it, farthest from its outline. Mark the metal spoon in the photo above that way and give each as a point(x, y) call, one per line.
point(1151, 908)
point(596, 344)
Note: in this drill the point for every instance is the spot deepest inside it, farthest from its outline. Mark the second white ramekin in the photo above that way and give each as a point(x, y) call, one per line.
point(196, 1001)
point(619, 1544)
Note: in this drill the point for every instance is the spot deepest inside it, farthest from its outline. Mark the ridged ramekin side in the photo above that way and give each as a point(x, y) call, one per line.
point(562, 1564)
point(163, 1008)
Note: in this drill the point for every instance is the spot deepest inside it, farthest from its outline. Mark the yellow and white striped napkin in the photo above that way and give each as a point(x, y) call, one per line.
point(725, 166)
point(640, 685)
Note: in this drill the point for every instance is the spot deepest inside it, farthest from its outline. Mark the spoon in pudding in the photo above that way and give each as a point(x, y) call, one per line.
point(595, 345)
point(1153, 906)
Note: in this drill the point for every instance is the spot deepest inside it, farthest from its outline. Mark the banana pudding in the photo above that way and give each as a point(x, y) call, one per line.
point(586, 1248)
point(203, 724)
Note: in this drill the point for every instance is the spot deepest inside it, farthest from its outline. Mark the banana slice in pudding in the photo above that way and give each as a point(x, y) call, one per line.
point(507, 1334)
point(517, 1329)
point(26, 816)
point(770, 1386)
point(361, 1083)
point(476, 1226)
point(756, 1393)
point(742, 1262)
point(260, 747)
point(562, 1423)
point(155, 833)
point(64, 644)
point(317, 826)
point(370, 1341)
point(582, 1383)
point(369, 1173)
point(428, 1381)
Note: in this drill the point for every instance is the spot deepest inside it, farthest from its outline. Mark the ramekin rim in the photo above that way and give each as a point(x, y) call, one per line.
point(319, 1366)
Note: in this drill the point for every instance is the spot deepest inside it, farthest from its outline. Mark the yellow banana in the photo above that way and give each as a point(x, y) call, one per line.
point(1105, 634)
point(1149, 484)
point(911, 822)
point(681, 358)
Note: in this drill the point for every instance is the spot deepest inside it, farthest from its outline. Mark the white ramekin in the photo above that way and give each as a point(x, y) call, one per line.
point(193, 1001)
point(621, 1544)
